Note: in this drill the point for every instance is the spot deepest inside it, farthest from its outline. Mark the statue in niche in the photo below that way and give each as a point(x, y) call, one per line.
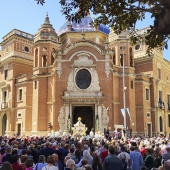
point(105, 117)
point(61, 118)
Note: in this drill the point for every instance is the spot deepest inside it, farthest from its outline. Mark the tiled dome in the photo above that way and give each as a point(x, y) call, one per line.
point(85, 25)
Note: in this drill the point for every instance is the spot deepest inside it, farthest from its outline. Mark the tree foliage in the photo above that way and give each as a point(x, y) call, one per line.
point(123, 15)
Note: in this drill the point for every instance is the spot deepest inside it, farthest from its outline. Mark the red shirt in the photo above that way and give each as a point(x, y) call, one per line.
point(16, 166)
point(142, 151)
point(104, 155)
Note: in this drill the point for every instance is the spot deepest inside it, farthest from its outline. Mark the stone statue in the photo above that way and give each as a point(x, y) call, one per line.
point(105, 117)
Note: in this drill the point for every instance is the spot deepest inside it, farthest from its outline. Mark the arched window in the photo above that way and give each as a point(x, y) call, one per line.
point(121, 59)
point(114, 56)
point(4, 123)
point(160, 124)
point(44, 61)
point(52, 59)
point(131, 56)
point(36, 58)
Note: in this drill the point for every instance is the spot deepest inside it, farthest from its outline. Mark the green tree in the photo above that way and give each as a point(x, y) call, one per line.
point(123, 15)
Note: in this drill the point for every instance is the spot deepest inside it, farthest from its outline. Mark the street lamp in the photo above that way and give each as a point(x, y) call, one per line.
point(124, 89)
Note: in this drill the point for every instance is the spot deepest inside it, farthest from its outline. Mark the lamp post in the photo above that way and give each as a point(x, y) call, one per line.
point(124, 90)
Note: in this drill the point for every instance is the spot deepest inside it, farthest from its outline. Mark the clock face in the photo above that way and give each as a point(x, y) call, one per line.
point(83, 79)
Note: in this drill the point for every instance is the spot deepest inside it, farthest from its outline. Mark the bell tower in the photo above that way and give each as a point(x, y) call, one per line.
point(45, 41)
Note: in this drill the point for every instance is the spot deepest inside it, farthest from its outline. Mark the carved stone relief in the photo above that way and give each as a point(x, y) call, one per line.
point(61, 118)
point(105, 117)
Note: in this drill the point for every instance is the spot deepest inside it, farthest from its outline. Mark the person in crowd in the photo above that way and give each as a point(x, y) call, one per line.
point(47, 150)
point(6, 166)
point(104, 154)
point(85, 147)
point(70, 164)
point(143, 168)
point(50, 164)
point(157, 160)
point(88, 167)
point(58, 152)
point(143, 151)
point(29, 164)
point(84, 163)
point(8, 156)
point(2, 154)
point(87, 156)
point(41, 163)
point(65, 160)
point(57, 162)
point(148, 159)
point(15, 165)
point(125, 158)
point(77, 156)
point(71, 153)
point(92, 151)
point(112, 161)
point(33, 153)
point(23, 161)
point(96, 163)
point(167, 165)
point(136, 158)
point(66, 150)
point(166, 154)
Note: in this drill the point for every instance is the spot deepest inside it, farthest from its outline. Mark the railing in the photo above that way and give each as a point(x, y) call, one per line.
point(4, 105)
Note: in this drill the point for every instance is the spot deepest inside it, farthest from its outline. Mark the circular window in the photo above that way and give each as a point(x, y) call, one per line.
point(83, 79)
point(26, 49)
point(137, 47)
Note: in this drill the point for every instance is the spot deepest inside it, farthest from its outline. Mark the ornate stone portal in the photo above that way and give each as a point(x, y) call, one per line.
point(79, 128)
point(83, 89)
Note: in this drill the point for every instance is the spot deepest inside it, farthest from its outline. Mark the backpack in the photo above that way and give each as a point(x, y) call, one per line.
point(123, 159)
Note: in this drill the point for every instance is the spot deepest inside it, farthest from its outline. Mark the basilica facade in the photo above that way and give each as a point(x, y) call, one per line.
point(50, 79)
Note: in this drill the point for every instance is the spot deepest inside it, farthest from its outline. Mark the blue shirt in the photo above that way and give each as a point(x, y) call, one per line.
point(39, 166)
point(136, 160)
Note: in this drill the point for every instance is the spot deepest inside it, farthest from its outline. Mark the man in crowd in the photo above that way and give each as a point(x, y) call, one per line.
point(112, 161)
point(57, 163)
point(136, 159)
point(70, 164)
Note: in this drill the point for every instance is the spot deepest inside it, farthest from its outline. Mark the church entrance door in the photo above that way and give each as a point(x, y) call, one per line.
point(87, 116)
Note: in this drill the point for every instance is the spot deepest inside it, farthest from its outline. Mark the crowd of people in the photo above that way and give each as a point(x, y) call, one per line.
point(84, 153)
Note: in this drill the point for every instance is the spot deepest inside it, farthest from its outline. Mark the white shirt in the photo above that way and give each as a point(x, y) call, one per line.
point(50, 168)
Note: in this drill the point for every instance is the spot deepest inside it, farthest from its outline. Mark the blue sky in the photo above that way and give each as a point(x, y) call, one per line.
point(27, 15)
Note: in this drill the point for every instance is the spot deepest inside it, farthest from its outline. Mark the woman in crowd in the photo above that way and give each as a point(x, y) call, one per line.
point(157, 160)
point(6, 166)
point(96, 164)
point(77, 156)
point(41, 163)
point(50, 162)
point(23, 161)
point(86, 156)
point(29, 164)
point(148, 160)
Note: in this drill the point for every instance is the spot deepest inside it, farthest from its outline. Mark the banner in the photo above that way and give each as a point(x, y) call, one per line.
point(123, 113)
point(129, 114)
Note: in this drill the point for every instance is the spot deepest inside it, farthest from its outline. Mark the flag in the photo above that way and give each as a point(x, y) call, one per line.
point(129, 114)
point(123, 113)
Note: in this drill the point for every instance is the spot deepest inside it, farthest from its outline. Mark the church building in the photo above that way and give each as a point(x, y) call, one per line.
point(50, 79)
